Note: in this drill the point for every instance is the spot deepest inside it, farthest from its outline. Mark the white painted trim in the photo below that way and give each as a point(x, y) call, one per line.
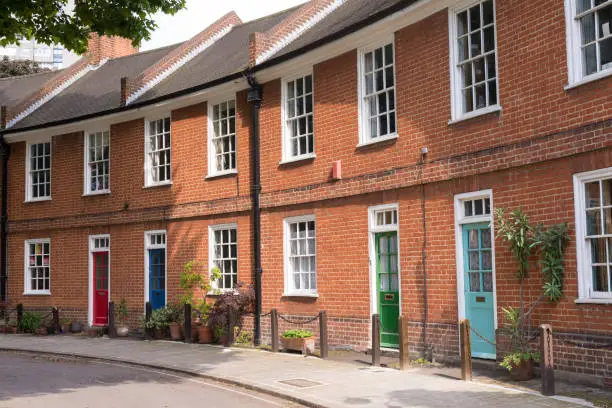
point(27, 290)
point(286, 157)
point(178, 64)
point(299, 30)
point(147, 247)
point(211, 240)
point(288, 292)
point(475, 114)
point(91, 250)
point(211, 152)
point(28, 183)
point(459, 222)
point(583, 260)
point(148, 182)
point(372, 231)
point(86, 174)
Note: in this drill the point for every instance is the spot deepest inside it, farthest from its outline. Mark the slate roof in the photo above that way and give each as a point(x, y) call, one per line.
point(14, 89)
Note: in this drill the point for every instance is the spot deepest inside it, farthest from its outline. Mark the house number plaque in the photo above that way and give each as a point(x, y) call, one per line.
point(389, 296)
point(480, 299)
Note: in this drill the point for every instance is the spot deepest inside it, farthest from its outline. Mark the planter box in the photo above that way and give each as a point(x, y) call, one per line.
point(305, 345)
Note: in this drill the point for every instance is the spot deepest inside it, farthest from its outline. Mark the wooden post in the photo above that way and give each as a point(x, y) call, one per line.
point(403, 342)
point(324, 347)
point(56, 321)
point(19, 315)
point(274, 330)
point(187, 324)
point(111, 320)
point(231, 322)
point(376, 340)
point(465, 350)
point(148, 312)
point(548, 364)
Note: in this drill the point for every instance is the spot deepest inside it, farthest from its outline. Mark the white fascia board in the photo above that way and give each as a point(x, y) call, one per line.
point(174, 67)
point(299, 31)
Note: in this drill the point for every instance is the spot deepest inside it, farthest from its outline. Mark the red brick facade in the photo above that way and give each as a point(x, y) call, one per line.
point(526, 154)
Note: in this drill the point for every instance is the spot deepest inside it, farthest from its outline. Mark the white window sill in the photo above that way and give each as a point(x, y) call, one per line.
point(476, 114)
point(165, 183)
point(301, 294)
point(221, 174)
point(380, 139)
point(36, 200)
point(298, 159)
point(599, 301)
point(589, 79)
point(38, 293)
point(218, 292)
point(97, 193)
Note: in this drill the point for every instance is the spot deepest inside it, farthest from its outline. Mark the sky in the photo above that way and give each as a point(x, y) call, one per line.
point(201, 13)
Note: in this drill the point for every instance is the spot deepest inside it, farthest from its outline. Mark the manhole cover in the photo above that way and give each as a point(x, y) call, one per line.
point(300, 383)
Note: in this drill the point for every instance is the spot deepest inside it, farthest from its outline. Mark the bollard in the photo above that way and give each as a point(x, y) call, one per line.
point(403, 342)
point(148, 312)
point(465, 350)
point(187, 324)
point(19, 315)
point(111, 320)
point(376, 340)
point(324, 347)
point(274, 330)
point(547, 363)
point(56, 321)
point(231, 322)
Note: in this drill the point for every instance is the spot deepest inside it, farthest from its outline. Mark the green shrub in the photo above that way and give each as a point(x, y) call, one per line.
point(30, 321)
point(244, 337)
point(297, 334)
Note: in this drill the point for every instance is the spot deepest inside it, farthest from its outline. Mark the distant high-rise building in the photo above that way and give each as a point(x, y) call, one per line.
point(52, 57)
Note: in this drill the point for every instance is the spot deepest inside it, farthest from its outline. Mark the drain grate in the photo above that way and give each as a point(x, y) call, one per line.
point(300, 383)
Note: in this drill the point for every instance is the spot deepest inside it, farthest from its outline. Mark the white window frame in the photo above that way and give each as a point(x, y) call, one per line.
point(92, 283)
point(87, 170)
point(147, 247)
point(147, 161)
point(27, 283)
point(287, 157)
point(211, 249)
point(28, 192)
point(457, 114)
point(576, 76)
point(583, 260)
point(212, 153)
point(364, 136)
point(288, 291)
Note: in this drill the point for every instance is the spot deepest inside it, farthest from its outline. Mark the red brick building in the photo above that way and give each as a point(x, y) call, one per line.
point(387, 134)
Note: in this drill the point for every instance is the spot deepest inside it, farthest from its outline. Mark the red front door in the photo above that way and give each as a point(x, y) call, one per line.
point(100, 288)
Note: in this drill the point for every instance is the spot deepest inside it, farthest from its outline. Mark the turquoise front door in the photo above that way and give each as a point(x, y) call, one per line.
point(478, 290)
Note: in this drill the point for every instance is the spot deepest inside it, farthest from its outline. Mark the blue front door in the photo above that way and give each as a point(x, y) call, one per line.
point(478, 280)
point(157, 278)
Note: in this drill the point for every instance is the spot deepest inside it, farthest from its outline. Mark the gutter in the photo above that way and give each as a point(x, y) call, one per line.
point(374, 18)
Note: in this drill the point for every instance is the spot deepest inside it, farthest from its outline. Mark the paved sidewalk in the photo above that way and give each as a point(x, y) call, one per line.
point(316, 382)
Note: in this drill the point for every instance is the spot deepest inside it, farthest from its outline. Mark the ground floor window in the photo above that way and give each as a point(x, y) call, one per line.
point(38, 266)
point(224, 255)
point(300, 255)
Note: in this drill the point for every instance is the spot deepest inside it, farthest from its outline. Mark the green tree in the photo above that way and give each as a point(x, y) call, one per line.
point(11, 68)
point(53, 22)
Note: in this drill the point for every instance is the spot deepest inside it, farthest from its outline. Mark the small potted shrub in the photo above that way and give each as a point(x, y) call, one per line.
point(121, 313)
point(298, 340)
point(31, 323)
point(158, 323)
point(175, 321)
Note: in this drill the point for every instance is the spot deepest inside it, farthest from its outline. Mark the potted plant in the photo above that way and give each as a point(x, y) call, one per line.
point(65, 325)
point(238, 301)
point(175, 319)
point(298, 340)
point(76, 327)
point(121, 313)
point(158, 323)
point(11, 327)
point(30, 322)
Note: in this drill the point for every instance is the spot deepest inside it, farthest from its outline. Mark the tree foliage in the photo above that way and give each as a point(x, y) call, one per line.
point(53, 22)
point(11, 68)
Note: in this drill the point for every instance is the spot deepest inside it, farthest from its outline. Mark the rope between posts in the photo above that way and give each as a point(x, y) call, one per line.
point(481, 336)
point(586, 345)
point(298, 322)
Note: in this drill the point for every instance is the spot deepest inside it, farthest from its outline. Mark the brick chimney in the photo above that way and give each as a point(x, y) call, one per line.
point(104, 47)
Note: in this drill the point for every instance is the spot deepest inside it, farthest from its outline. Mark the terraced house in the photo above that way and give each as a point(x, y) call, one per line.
point(343, 156)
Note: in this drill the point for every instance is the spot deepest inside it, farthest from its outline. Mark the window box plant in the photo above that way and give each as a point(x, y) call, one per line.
point(298, 340)
point(121, 313)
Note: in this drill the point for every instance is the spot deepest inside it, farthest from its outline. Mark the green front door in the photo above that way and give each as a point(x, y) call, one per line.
point(387, 283)
point(478, 289)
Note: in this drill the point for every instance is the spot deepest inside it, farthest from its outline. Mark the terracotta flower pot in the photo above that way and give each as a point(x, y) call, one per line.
point(205, 335)
point(304, 345)
point(159, 333)
point(175, 331)
point(41, 331)
point(522, 372)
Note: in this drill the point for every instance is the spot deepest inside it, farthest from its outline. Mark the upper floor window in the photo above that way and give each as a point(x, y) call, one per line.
point(593, 202)
point(37, 272)
point(224, 254)
point(222, 138)
point(38, 170)
point(97, 166)
point(158, 152)
point(300, 256)
point(377, 93)
point(474, 59)
point(298, 127)
point(590, 38)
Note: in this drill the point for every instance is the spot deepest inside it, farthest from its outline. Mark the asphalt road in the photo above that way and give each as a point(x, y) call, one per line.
point(32, 382)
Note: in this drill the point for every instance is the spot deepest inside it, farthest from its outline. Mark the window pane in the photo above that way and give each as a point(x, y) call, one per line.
point(467, 207)
point(587, 28)
point(590, 59)
point(475, 18)
point(605, 52)
point(593, 222)
point(487, 12)
point(600, 279)
point(474, 281)
point(462, 23)
point(598, 251)
point(583, 5)
point(592, 194)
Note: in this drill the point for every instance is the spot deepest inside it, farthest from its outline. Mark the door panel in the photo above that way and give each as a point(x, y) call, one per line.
point(478, 287)
point(388, 287)
point(100, 288)
point(157, 278)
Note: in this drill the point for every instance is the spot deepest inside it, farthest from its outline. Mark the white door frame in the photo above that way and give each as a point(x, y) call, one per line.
point(147, 247)
point(373, 229)
point(91, 271)
point(461, 220)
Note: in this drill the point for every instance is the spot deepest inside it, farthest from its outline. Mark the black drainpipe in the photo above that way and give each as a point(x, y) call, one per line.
point(254, 98)
point(4, 155)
